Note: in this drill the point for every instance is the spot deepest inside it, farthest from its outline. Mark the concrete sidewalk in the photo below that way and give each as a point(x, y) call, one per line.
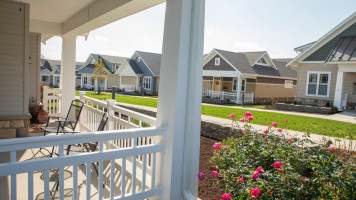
point(227, 123)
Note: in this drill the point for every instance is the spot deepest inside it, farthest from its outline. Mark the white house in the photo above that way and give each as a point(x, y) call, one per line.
point(176, 131)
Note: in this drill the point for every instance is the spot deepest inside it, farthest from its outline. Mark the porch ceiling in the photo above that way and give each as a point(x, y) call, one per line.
point(74, 18)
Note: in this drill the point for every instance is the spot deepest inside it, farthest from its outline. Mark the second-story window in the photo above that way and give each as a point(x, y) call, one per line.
point(217, 61)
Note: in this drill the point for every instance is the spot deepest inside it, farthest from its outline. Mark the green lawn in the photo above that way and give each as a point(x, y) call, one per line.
point(298, 123)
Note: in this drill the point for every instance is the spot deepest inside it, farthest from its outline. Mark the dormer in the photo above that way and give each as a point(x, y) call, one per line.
point(265, 60)
point(262, 61)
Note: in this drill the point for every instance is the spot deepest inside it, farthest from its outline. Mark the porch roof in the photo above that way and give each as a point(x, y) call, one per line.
point(344, 51)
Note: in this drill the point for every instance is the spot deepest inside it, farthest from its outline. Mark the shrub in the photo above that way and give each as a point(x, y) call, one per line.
point(327, 104)
point(271, 164)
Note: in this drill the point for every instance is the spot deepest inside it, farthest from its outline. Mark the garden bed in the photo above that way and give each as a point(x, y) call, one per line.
point(215, 100)
point(305, 108)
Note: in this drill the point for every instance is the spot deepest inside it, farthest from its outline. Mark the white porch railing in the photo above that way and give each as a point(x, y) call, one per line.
point(127, 157)
point(51, 101)
point(229, 95)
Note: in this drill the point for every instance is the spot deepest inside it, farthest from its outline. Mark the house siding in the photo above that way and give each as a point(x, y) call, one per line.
point(14, 67)
point(157, 83)
point(224, 66)
point(322, 53)
point(146, 71)
point(34, 70)
point(113, 80)
point(303, 76)
point(349, 80)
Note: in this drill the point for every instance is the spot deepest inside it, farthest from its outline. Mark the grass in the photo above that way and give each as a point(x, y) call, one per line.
point(298, 123)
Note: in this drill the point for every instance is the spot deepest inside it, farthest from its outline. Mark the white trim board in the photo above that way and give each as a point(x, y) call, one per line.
point(317, 86)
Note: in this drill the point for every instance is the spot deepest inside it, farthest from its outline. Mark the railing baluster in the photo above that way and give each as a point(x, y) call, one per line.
point(112, 179)
point(75, 182)
point(13, 176)
point(134, 174)
point(61, 175)
point(144, 173)
point(100, 184)
point(46, 184)
point(153, 178)
point(30, 185)
point(88, 176)
point(123, 177)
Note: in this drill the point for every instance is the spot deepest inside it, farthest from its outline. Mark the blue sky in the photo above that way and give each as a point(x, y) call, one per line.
point(277, 26)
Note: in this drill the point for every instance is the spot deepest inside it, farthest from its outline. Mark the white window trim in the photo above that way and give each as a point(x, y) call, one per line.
point(85, 80)
point(144, 81)
point(318, 83)
point(233, 80)
point(288, 84)
point(243, 80)
point(261, 63)
point(217, 62)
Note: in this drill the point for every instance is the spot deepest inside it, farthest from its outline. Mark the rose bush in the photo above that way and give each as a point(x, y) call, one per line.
point(274, 165)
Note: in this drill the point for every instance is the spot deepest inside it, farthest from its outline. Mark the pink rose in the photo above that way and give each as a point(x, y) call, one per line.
point(241, 180)
point(277, 165)
point(226, 196)
point(286, 121)
point(256, 175)
point(279, 130)
point(214, 174)
point(259, 168)
point(225, 147)
point(331, 149)
point(255, 192)
point(217, 146)
point(201, 176)
point(244, 133)
point(248, 114)
point(250, 118)
point(232, 115)
point(242, 120)
point(265, 131)
point(289, 140)
point(216, 168)
point(275, 124)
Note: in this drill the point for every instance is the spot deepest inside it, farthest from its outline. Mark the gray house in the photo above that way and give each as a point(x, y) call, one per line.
point(229, 74)
point(111, 64)
point(141, 71)
point(327, 68)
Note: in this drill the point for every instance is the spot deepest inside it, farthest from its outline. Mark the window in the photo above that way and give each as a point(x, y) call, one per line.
point(288, 84)
point(217, 61)
point(243, 85)
point(85, 80)
point(147, 82)
point(262, 61)
point(116, 67)
point(44, 78)
point(138, 59)
point(92, 61)
point(318, 83)
point(234, 84)
point(354, 89)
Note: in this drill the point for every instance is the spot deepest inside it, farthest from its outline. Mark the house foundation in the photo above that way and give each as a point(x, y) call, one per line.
point(14, 126)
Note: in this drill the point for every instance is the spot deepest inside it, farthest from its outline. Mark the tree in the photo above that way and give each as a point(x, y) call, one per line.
point(100, 72)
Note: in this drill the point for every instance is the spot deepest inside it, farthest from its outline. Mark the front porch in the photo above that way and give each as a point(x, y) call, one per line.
point(345, 91)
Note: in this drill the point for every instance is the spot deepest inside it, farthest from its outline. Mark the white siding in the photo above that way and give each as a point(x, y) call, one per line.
point(13, 50)
point(34, 72)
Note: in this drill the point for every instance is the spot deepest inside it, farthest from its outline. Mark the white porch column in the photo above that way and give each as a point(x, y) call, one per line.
point(238, 89)
point(106, 84)
point(67, 83)
point(339, 90)
point(120, 86)
point(96, 85)
point(179, 106)
point(81, 81)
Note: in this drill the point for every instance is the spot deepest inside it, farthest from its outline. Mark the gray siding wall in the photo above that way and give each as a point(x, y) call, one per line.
point(34, 66)
point(322, 53)
point(14, 58)
point(146, 72)
point(224, 66)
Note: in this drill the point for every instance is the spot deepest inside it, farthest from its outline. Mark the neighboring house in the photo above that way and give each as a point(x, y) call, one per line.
point(327, 68)
point(227, 74)
point(51, 71)
point(111, 63)
point(141, 71)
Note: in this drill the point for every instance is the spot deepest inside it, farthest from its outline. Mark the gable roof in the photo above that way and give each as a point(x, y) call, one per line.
point(324, 39)
point(152, 61)
point(134, 66)
point(245, 63)
point(88, 69)
point(113, 59)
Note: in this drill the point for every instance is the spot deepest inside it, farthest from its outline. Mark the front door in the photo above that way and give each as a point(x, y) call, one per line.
point(216, 88)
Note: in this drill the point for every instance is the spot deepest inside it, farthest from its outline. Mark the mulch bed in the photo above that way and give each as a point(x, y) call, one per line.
point(205, 190)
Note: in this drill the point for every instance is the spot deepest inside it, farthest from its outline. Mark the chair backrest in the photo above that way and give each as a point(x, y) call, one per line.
point(76, 104)
point(103, 121)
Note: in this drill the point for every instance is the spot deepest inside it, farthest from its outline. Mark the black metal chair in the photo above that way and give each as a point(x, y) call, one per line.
point(89, 147)
point(64, 122)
